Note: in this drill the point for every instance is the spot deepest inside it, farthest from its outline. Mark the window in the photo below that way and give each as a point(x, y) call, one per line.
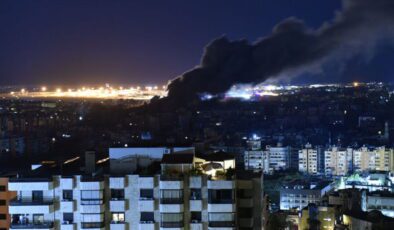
point(2, 202)
point(118, 217)
point(147, 217)
point(146, 194)
point(67, 194)
point(68, 217)
point(90, 197)
point(117, 194)
point(171, 196)
point(2, 188)
point(3, 216)
point(195, 217)
point(37, 196)
point(171, 220)
point(38, 219)
point(223, 196)
point(195, 194)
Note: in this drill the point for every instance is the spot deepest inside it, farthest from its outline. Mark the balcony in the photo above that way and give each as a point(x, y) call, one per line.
point(34, 207)
point(91, 184)
point(171, 182)
point(44, 225)
point(92, 208)
point(223, 207)
point(147, 225)
point(196, 226)
point(146, 205)
point(146, 182)
point(67, 206)
point(171, 225)
point(68, 226)
point(195, 205)
point(93, 225)
point(221, 225)
point(221, 184)
point(118, 226)
point(117, 182)
point(117, 205)
point(171, 208)
point(30, 184)
point(171, 205)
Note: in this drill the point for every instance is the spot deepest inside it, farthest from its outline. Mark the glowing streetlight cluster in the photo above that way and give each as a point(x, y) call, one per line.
point(103, 92)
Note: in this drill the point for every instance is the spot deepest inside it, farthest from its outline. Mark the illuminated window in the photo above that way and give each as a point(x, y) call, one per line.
point(118, 217)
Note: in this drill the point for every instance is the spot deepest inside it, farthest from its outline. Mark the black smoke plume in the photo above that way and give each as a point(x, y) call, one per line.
point(291, 49)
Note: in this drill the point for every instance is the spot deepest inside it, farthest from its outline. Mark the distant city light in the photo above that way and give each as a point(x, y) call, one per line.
point(107, 92)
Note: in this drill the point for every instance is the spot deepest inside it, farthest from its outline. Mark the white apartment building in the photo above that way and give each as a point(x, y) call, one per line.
point(298, 194)
point(256, 160)
point(308, 160)
point(278, 157)
point(175, 199)
point(338, 161)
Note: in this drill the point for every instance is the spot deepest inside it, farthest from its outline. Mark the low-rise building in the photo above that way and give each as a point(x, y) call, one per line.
point(315, 217)
point(299, 193)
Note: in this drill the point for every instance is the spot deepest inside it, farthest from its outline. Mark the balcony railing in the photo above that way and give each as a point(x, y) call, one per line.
point(171, 224)
point(30, 180)
point(221, 224)
point(222, 201)
point(171, 177)
point(17, 202)
point(92, 201)
point(44, 225)
point(171, 200)
point(86, 225)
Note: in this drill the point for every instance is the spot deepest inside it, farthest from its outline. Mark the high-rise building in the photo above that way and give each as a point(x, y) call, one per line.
point(255, 158)
point(311, 159)
point(278, 157)
point(338, 161)
point(308, 160)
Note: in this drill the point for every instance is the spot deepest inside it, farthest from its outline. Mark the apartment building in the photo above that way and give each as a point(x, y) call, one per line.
point(178, 192)
point(299, 193)
point(379, 159)
point(278, 157)
point(338, 161)
point(5, 197)
point(308, 160)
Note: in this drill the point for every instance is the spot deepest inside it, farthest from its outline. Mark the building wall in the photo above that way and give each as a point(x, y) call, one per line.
point(133, 205)
point(5, 196)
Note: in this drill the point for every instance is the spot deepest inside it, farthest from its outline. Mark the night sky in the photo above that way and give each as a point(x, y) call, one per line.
point(140, 42)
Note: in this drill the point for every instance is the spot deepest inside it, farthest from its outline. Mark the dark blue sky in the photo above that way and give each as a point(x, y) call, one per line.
point(86, 42)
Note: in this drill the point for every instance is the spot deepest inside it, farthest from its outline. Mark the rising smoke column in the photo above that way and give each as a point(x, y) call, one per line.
point(291, 49)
